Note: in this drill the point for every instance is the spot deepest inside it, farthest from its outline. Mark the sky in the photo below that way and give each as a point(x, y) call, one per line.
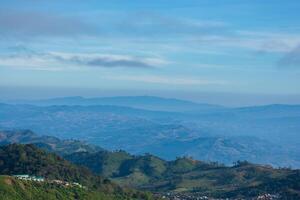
point(229, 52)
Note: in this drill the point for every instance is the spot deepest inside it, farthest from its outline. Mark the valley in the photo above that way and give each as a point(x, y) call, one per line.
point(212, 134)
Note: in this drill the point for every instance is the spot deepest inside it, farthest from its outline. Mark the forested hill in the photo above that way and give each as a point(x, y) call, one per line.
point(191, 176)
point(28, 159)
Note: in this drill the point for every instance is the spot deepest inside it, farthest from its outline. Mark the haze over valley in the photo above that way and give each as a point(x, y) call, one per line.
point(149, 100)
point(182, 128)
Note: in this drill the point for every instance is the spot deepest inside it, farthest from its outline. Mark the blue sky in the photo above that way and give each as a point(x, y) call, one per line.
point(198, 50)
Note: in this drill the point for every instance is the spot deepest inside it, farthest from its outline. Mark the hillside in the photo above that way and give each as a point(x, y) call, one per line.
point(191, 176)
point(48, 143)
point(28, 159)
point(224, 150)
point(183, 175)
point(14, 189)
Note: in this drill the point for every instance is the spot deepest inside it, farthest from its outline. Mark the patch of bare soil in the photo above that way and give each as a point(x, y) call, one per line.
point(8, 181)
point(22, 186)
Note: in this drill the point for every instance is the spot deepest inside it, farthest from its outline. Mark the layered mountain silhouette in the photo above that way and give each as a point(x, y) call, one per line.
point(216, 134)
point(143, 172)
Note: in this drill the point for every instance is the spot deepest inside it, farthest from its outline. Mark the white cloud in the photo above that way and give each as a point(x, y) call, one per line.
point(261, 41)
point(76, 61)
point(192, 81)
point(271, 41)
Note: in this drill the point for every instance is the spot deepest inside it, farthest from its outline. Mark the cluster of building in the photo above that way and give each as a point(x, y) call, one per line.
point(185, 196)
point(27, 177)
point(196, 196)
point(66, 184)
point(268, 197)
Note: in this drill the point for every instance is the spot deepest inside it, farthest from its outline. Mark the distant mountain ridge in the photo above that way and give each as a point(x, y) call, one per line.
point(50, 143)
point(140, 102)
point(253, 133)
point(212, 134)
point(225, 150)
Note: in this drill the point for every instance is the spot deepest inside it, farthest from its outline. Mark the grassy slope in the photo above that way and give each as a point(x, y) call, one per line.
point(13, 189)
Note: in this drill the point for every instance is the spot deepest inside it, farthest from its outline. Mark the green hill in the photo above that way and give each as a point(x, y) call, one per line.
point(190, 176)
point(28, 159)
point(48, 143)
point(14, 189)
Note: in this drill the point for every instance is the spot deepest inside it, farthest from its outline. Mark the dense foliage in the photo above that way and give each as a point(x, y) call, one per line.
point(187, 175)
point(28, 159)
point(14, 189)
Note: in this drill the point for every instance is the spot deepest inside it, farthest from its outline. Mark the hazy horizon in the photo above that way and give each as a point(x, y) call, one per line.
point(194, 50)
point(224, 99)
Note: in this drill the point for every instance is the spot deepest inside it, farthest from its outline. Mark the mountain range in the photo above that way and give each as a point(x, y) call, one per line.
point(139, 102)
point(215, 133)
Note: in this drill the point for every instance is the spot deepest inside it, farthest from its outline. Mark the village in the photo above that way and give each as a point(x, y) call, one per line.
point(27, 177)
point(196, 196)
